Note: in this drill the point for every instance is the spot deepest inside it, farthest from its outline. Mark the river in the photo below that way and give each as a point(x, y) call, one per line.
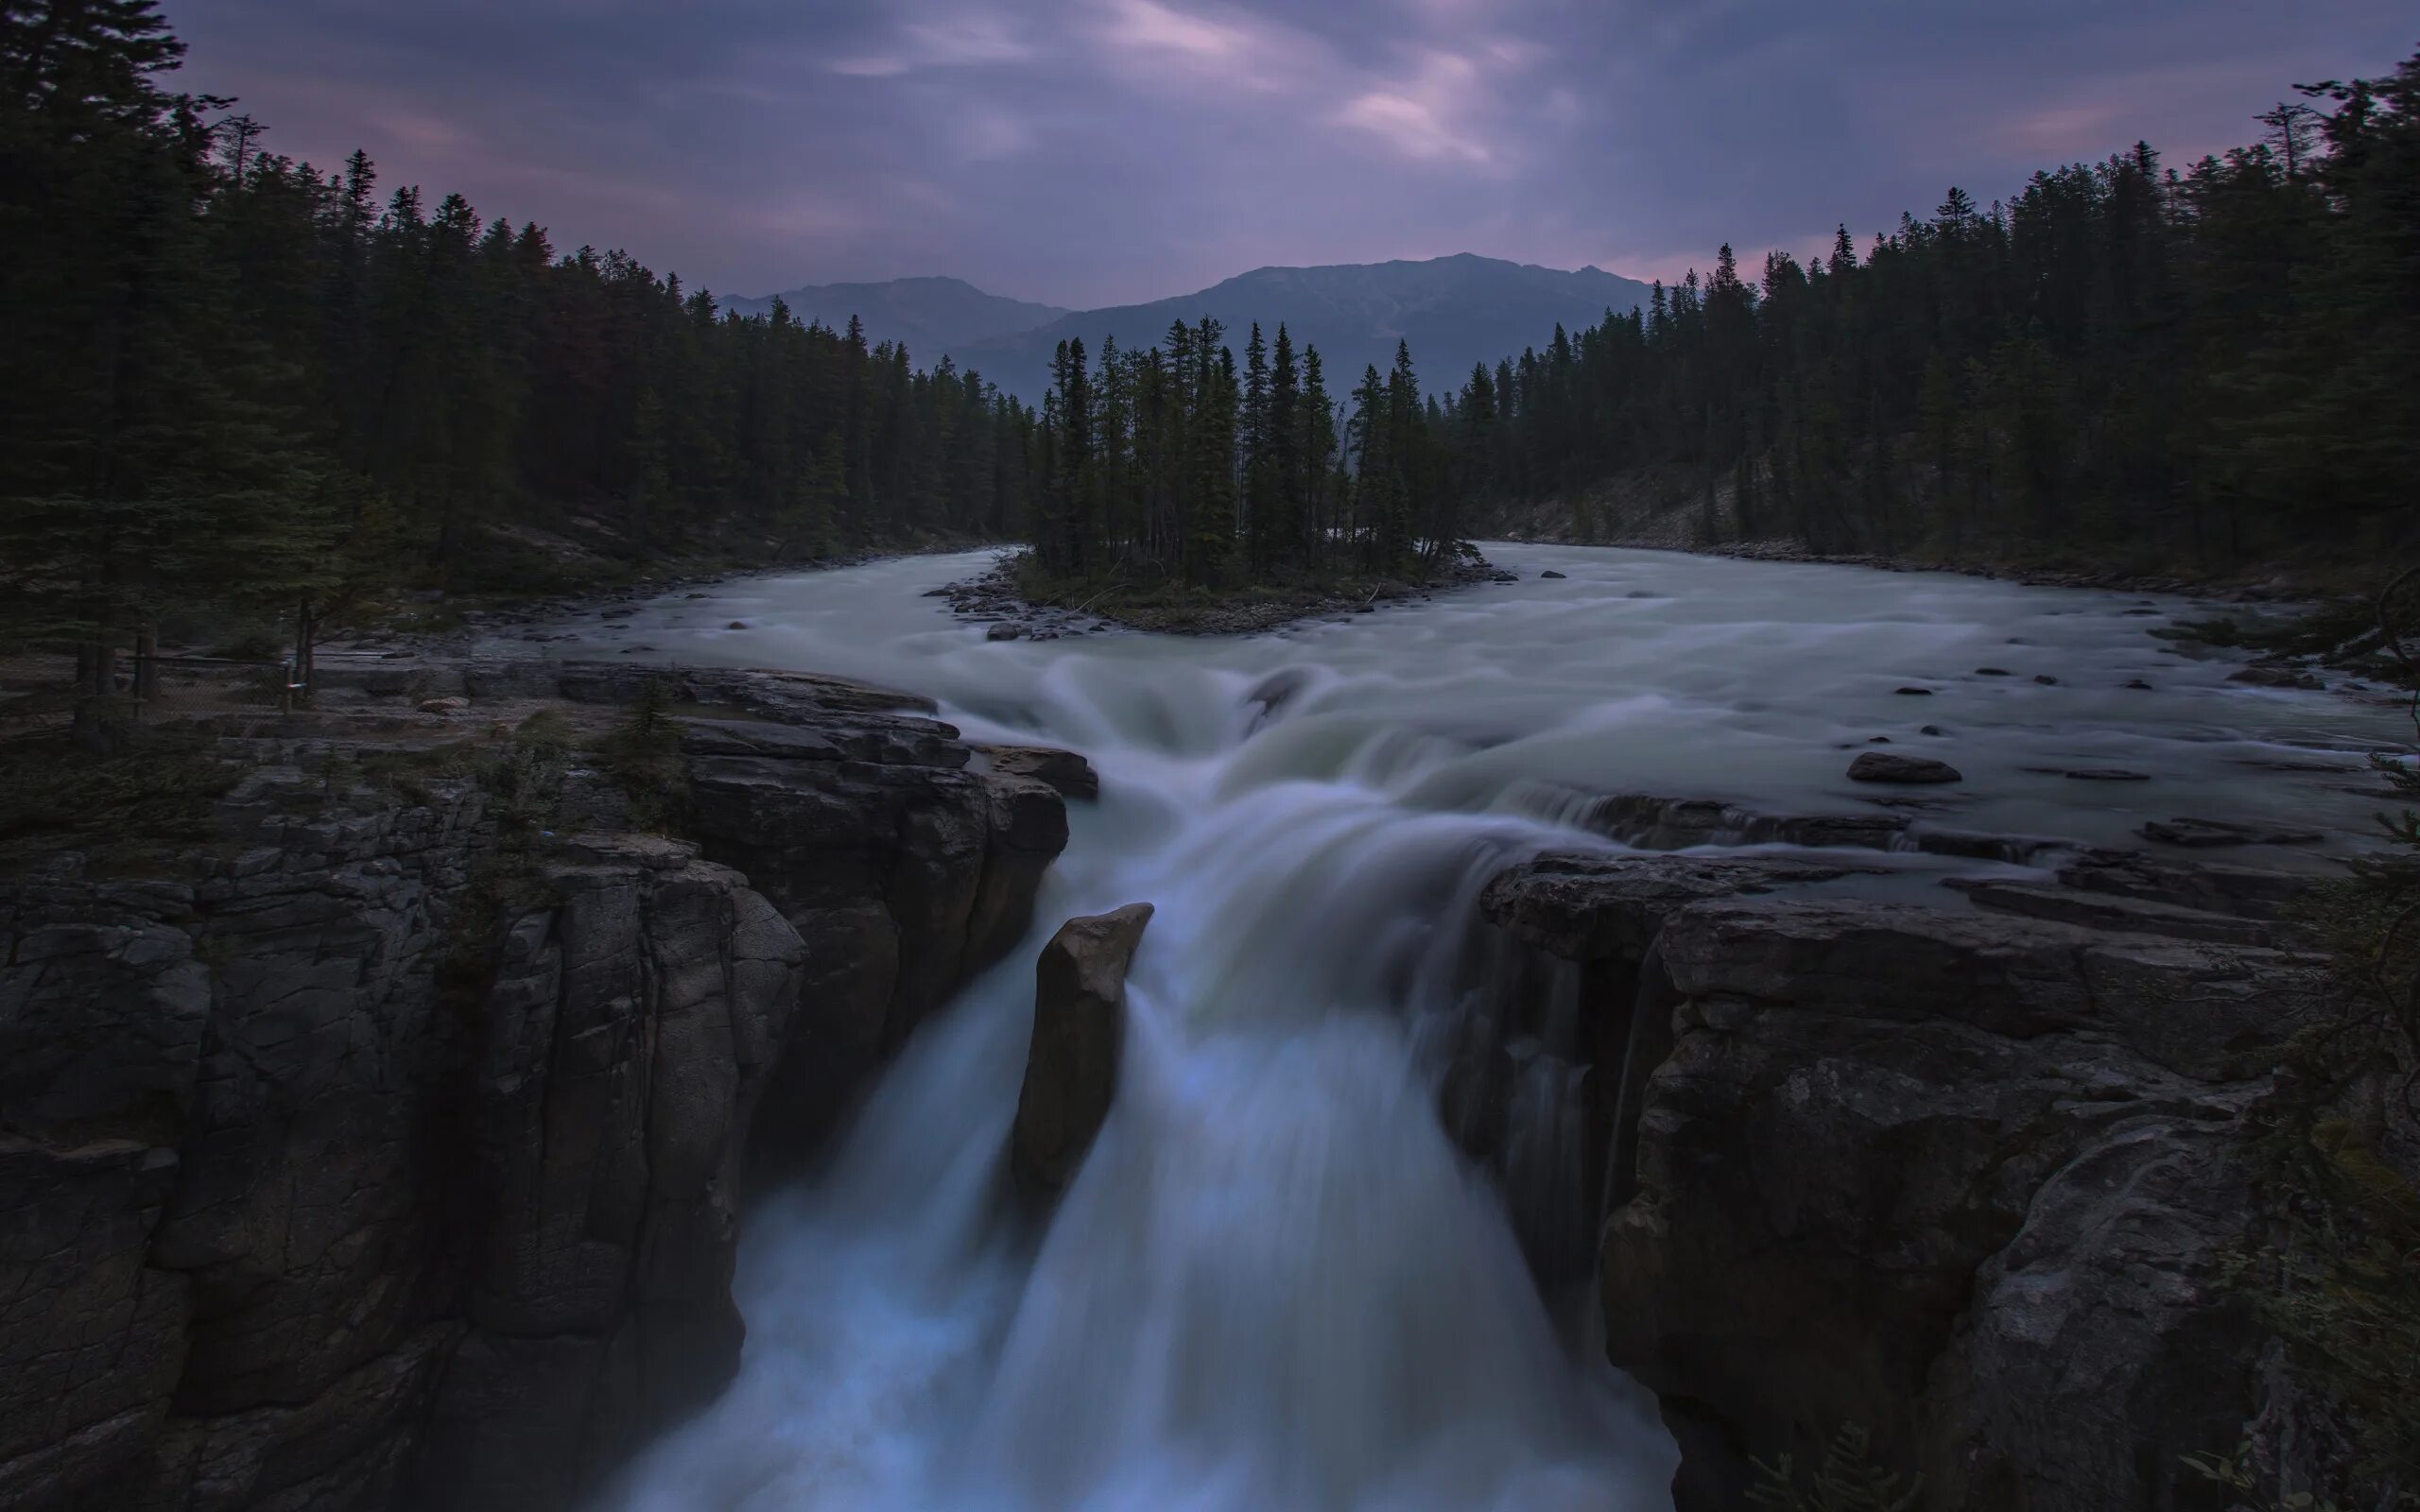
point(1274, 1284)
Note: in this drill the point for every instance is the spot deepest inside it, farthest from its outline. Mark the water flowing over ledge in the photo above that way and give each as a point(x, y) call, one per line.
point(1278, 1281)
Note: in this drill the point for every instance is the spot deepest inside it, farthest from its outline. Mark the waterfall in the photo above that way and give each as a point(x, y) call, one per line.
point(1278, 1282)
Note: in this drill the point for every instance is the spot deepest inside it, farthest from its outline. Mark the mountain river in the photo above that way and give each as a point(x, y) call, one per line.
point(1275, 1285)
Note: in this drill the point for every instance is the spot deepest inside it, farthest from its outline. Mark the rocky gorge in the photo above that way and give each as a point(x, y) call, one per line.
point(389, 1148)
point(1968, 1180)
point(528, 1032)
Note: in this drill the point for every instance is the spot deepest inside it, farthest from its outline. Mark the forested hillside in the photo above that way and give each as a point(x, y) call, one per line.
point(234, 376)
point(2127, 365)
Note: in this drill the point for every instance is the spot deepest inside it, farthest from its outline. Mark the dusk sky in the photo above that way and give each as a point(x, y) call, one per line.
point(1087, 152)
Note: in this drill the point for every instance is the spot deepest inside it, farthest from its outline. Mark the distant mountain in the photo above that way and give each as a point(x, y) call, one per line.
point(932, 316)
point(1455, 311)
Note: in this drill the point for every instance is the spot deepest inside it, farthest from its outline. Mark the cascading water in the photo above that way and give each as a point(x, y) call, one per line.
point(1276, 1284)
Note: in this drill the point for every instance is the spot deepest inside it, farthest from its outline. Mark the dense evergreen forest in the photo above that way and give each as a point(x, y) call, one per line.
point(232, 377)
point(1171, 463)
point(236, 380)
point(2126, 366)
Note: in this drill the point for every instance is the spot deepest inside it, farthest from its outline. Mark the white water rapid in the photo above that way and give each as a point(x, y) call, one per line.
point(1275, 1286)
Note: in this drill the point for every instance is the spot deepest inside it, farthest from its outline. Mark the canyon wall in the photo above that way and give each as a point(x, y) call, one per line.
point(386, 1149)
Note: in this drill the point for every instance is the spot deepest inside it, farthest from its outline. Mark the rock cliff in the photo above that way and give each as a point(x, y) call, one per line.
point(1966, 1179)
point(387, 1150)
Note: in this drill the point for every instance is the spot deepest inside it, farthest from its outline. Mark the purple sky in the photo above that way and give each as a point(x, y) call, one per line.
point(1086, 152)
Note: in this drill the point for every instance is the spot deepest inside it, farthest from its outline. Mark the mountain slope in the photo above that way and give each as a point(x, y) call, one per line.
point(932, 316)
point(1455, 311)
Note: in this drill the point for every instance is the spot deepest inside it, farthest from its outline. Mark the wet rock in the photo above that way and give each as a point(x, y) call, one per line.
point(1583, 907)
point(449, 707)
point(1992, 672)
point(737, 625)
point(1004, 632)
point(2138, 685)
point(2108, 912)
point(2277, 677)
point(1913, 693)
point(1885, 767)
point(2106, 773)
point(1064, 770)
point(2210, 833)
point(319, 1175)
point(1930, 729)
point(2046, 679)
point(1969, 1183)
point(2250, 892)
point(1878, 740)
point(1550, 573)
point(1078, 1029)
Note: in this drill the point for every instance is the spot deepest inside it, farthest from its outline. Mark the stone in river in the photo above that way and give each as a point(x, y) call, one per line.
point(2139, 685)
point(2108, 774)
point(1079, 1032)
point(1003, 632)
point(2046, 679)
point(1884, 766)
point(1550, 573)
point(1991, 672)
point(1913, 693)
point(1933, 730)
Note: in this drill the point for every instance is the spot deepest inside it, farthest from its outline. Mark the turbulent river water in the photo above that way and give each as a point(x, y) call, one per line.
point(1274, 1284)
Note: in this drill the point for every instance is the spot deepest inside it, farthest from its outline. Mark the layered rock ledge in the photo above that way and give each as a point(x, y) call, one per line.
point(388, 1149)
point(1966, 1176)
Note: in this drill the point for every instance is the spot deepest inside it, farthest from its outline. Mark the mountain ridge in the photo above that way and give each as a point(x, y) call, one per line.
point(926, 313)
point(1454, 311)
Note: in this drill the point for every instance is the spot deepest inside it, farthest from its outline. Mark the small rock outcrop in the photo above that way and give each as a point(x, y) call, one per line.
point(1079, 1028)
point(1886, 766)
point(1064, 770)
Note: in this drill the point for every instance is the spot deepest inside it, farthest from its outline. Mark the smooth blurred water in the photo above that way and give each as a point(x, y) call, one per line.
point(1276, 1285)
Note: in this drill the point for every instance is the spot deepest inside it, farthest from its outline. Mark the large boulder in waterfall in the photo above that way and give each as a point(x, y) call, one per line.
point(1079, 1028)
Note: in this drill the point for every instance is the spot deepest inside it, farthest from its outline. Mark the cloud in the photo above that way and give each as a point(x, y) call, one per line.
point(1097, 151)
point(1430, 114)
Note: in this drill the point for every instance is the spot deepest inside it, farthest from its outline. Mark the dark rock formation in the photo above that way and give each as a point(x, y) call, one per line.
point(1886, 767)
point(1966, 1179)
point(2210, 833)
point(390, 1153)
point(2278, 677)
point(1969, 1184)
point(1078, 1027)
point(1069, 773)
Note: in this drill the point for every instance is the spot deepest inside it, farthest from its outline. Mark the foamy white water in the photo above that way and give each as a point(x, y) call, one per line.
point(1276, 1285)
